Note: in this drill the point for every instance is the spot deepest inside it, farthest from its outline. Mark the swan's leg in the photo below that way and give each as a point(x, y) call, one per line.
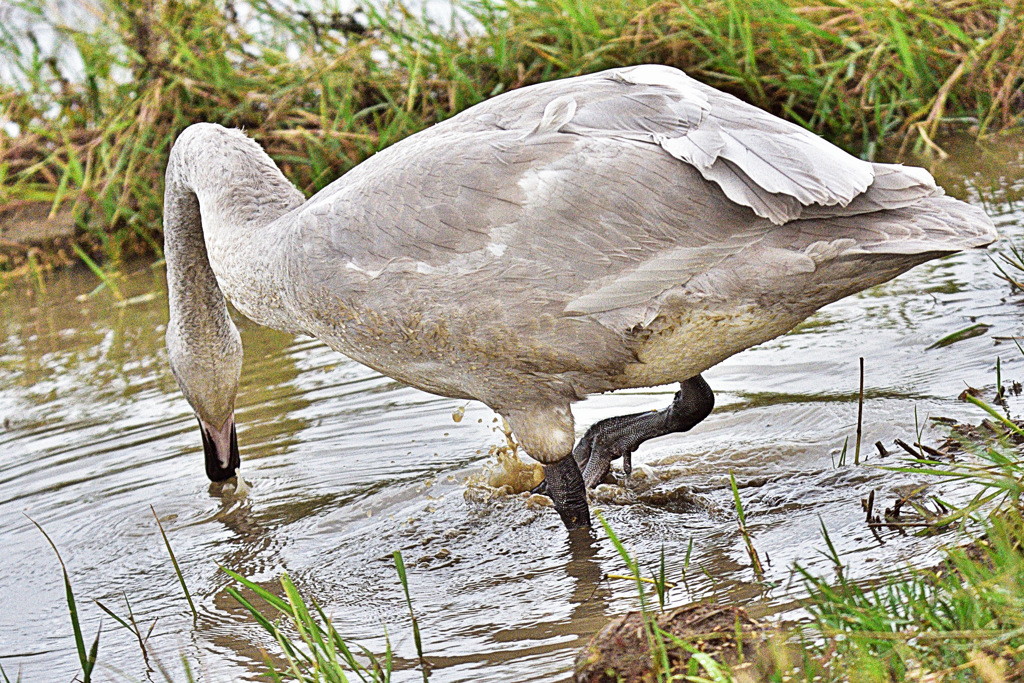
point(547, 434)
point(618, 437)
point(565, 486)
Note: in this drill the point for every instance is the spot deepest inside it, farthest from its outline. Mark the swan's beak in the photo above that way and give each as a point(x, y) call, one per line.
point(220, 444)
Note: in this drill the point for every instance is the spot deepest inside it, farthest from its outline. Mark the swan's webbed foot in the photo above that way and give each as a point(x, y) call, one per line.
point(565, 486)
point(618, 437)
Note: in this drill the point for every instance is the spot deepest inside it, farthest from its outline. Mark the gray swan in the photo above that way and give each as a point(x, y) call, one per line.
point(628, 228)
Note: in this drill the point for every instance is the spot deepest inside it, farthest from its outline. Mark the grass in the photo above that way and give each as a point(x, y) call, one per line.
point(322, 93)
point(400, 568)
point(86, 658)
point(318, 652)
point(962, 620)
point(132, 626)
point(1011, 269)
point(954, 622)
point(311, 647)
point(755, 559)
point(672, 657)
point(656, 642)
point(177, 569)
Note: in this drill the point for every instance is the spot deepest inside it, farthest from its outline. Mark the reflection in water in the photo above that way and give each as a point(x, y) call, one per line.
point(584, 568)
point(347, 466)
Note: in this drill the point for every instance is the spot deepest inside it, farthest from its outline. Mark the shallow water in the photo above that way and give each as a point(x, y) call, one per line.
point(347, 466)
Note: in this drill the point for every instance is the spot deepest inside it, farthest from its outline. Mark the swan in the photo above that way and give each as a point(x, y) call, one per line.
point(627, 228)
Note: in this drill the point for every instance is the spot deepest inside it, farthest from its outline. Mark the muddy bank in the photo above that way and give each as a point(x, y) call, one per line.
point(31, 227)
point(622, 651)
point(35, 237)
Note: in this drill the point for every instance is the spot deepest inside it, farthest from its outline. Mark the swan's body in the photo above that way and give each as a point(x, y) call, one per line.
point(623, 229)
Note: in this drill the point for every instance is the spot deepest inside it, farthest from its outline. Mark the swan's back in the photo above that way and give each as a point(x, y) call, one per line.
point(627, 228)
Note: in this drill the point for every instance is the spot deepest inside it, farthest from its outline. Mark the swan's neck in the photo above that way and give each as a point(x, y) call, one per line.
point(222, 197)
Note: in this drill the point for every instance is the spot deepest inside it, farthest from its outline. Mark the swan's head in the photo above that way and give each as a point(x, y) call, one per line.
point(207, 370)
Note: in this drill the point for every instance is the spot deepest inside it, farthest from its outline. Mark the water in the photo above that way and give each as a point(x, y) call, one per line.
point(347, 466)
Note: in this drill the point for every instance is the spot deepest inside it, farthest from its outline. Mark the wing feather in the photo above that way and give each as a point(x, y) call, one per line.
point(771, 162)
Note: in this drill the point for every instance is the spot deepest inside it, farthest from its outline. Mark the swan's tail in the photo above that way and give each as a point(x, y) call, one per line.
point(931, 225)
point(904, 212)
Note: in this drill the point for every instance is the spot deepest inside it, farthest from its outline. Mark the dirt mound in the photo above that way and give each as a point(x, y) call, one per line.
point(620, 652)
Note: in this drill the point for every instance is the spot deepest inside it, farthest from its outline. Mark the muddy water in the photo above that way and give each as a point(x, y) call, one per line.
point(346, 466)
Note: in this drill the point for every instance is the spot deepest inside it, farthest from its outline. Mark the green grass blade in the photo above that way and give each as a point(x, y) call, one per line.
point(267, 625)
point(338, 643)
point(994, 413)
point(400, 568)
point(76, 626)
point(975, 330)
point(93, 651)
point(276, 602)
point(113, 616)
point(177, 569)
point(98, 272)
point(736, 499)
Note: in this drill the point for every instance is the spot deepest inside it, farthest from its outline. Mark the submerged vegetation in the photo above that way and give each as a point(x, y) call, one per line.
point(87, 122)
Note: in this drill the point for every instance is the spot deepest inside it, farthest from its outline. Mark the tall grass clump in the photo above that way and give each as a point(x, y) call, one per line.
point(317, 652)
point(94, 128)
point(860, 72)
point(89, 126)
point(312, 648)
point(961, 621)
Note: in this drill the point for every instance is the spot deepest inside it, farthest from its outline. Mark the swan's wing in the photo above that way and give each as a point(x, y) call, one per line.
point(760, 161)
point(604, 191)
point(422, 202)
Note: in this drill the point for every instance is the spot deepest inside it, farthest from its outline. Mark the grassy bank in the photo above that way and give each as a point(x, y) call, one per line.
point(322, 91)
